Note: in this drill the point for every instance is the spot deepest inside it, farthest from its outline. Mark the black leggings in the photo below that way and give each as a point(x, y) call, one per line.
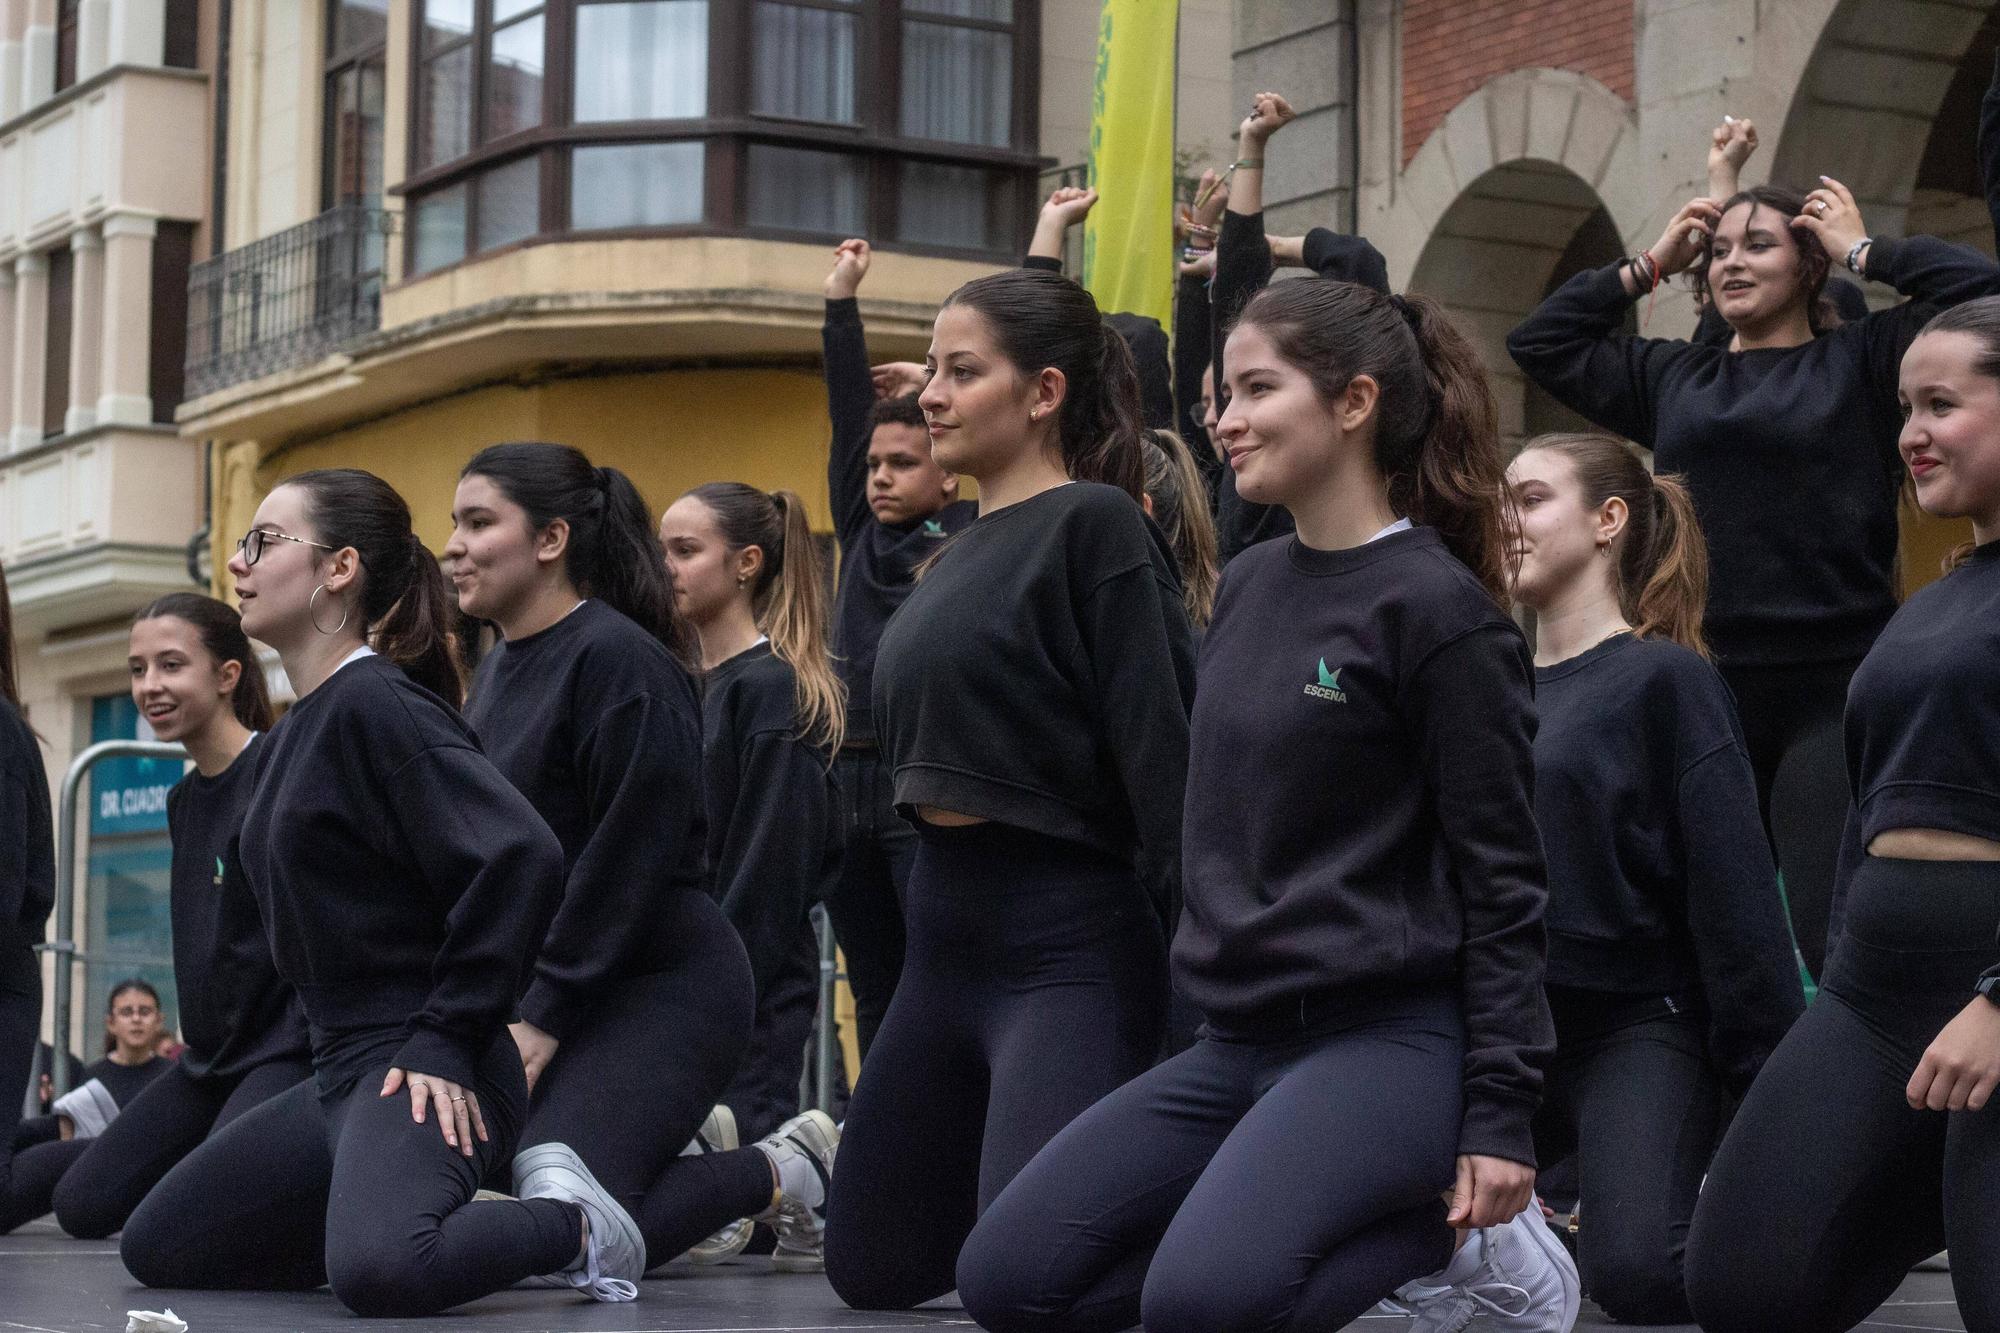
point(20, 1019)
point(1828, 1187)
point(1252, 1182)
point(1034, 984)
point(344, 1188)
point(865, 900)
point(1633, 1094)
point(630, 1086)
point(1792, 728)
point(167, 1120)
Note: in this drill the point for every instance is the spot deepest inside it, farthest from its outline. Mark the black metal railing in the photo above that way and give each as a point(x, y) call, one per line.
point(287, 299)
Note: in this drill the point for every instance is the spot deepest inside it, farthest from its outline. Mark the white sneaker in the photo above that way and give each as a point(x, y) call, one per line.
point(718, 1134)
point(1523, 1280)
point(809, 1141)
point(614, 1257)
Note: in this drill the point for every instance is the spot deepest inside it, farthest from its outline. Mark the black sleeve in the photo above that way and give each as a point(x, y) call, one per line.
point(1047, 263)
point(1471, 704)
point(769, 867)
point(1935, 275)
point(1344, 258)
point(850, 397)
point(1135, 637)
point(640, 769)
point(497, 871)
point(1192, 333)
point(1742, 943)
point(14, 888)
point(1572, 346)
point(1989, 147)
point(1242, 269)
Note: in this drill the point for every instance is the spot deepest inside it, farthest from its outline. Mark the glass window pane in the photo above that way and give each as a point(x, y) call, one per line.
point(510, 203)
point(641, 61)
point(355, 99)
point(445, 132)
point(635, 185)
point(998, 11)
point(958, 84)
point(941, 205)
point(357, 26)
point(437, 237)
point(507, 9)
point(801, 189)
point(514, 79)
point(445, 21)
point(802, 63)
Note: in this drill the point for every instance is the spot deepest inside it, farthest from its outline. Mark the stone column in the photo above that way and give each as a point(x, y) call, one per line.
point(126, 394)
point(138, 33)
point(38, 54)
point(93, 37)
point(86, 329)
point(6, 355)
point(31, 335)
point(13, 25)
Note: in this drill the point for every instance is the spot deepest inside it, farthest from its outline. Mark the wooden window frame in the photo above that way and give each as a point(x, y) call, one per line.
point(337, 66)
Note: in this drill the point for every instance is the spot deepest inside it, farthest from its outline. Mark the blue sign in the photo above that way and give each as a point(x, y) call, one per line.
point(127, 795)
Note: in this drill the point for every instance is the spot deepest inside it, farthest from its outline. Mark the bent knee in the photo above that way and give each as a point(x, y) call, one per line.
point(86, 1214)
point(1635, 1291)
point(998, 1290)
point(146, 1248)
point(382, 1285)
point(1186, 1303)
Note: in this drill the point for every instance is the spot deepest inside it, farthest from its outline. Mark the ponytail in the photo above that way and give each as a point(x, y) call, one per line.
point(222, 636)
point(1437, 435)
point(788, 597)
point(1661, 559)
point(614, 551)
point(1180, 506)
point(1042, 320)
point(406, 608)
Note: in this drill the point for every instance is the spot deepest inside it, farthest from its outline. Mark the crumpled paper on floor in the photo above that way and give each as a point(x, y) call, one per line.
point(154, 1321)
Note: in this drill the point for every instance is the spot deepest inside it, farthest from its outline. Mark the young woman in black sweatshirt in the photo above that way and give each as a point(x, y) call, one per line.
point(748, 579)
point(1671, 975)
point(405, 888)
point(639, 1010)
point(27, 886)
point(1031, 702)
point(197, 680)
point(1364, 887)
point(1868, 1142)
point(1786, 435)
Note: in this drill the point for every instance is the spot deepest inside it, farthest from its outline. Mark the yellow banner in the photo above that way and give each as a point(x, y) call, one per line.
point(1128, 239)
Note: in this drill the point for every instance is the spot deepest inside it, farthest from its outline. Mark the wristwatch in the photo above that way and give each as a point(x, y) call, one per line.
point(1989, 986)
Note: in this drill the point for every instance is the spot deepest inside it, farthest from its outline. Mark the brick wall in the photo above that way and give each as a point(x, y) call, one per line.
point(1451, 47)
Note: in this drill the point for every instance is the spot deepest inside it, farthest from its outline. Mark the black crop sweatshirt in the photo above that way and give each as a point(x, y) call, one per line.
point(236, 1012)
point(405, 884)
point(1790, 453)
point(1660, 877)
point(599, 727)
point(877, 560)
point(1361, 811)
point(772, 839)
point(1040, 676)
point(28, 846)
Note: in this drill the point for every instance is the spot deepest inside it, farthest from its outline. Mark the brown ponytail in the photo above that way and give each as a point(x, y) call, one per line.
point(1437, 434)
point(406, 606)
point(1180, 506)
point(789, 597)
point(1661, 557)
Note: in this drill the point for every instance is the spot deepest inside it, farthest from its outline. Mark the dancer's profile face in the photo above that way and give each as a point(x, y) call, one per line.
point(977, 402)
point(177, 684)
point(275, 593)
point(497, 558)
point(703, 568)
point(1558, 536)
point(1753, 271)
point(1951, 429)
point(1279, 435)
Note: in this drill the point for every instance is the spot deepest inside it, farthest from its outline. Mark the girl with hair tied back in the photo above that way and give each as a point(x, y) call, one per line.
point(1030, 698)
point(405, 887)
point(1364, 888)
point(748, 579)
point(640, 1005)
point(1671, 975)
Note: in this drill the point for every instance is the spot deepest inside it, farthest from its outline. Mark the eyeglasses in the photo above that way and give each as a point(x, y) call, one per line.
point(251, 543)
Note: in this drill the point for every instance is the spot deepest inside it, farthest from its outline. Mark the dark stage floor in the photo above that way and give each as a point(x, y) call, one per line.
point(49, 1284)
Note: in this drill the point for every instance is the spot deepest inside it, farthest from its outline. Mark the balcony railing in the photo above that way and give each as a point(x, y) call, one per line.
point(287, 299)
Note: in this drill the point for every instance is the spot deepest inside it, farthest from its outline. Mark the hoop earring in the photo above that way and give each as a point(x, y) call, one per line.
point(312, 612)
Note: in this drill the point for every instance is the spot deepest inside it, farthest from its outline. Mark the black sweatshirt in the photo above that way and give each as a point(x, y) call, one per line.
point(1040, 676)
point(1660, 877)
point(405, 884)
point(1790, 453)
point(599, 727)
point(877, 560)
point(124, 1082)
point(1989, 147)
point(1194, 334)
point(1361, 807)
point(235, 1011)
point(772, 839)
point(27, 845)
